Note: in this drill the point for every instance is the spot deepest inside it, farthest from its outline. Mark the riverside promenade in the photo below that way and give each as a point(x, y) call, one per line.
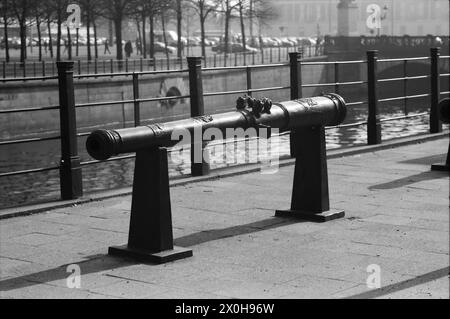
point(397, 219)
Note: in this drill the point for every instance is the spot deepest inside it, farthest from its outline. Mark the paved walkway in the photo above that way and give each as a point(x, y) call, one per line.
point(397, 218)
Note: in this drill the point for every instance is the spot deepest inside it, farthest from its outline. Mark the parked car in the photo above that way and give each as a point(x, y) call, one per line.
point(304, 41)
point(193, 41)
point(268, 42)
point(278, 42)
point(13, 43)
point(234, 48)
point(160, 47)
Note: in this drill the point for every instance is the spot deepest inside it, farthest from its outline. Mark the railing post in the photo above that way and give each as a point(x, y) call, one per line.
point(249, 81)
point(296, 75)
point(295, 59)
point(336, 78)
point(70, 169)
point(405, 86)
point(435, 123)
point(374, 124)
point(137, 107)
point(199, 166)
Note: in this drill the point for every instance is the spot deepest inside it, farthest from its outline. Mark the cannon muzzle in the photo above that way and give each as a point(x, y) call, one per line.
point(327, 110)
point(444, 109)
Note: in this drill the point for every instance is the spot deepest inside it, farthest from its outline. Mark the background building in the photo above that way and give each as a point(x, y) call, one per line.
point(309, 17)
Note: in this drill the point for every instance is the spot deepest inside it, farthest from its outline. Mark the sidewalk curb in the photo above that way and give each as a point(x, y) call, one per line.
point(178, 181)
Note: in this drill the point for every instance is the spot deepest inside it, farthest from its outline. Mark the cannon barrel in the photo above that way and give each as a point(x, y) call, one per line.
point(444, 108)
point(327, 110)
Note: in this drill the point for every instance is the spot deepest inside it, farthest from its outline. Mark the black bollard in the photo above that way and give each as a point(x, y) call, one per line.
point(444, 110)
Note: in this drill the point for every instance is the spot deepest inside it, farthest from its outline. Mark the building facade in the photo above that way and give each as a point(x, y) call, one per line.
point(400, 17)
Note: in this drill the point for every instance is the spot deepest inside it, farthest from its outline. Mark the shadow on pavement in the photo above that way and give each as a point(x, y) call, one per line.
point(216, 234)
point(99, 263)
point(409, 180)
point(419, 280)
point(427, 160)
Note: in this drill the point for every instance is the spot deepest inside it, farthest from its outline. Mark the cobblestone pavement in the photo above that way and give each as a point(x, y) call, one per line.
point(397, 219)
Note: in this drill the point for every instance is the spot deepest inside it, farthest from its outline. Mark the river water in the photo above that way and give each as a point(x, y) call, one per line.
point(42, 187)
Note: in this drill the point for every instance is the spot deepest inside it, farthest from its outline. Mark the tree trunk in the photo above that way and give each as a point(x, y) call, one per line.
point(163, 22)
point(152, 37)
point(95, 39)
point(202, 29)
point(78, 42)
point(179, 21)
point(144, 36)
point(50, 40)
point(138, 26)
point(227, 27)
point(69, 43)
point(58, 38)
point(5, 31)
point(88, 29)
point(118, 31)
point(252, 36)
point(23, 41)
point(241, 17)
point(38, 26)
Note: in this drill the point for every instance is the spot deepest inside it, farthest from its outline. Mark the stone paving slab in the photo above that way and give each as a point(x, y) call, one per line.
point(397, 218)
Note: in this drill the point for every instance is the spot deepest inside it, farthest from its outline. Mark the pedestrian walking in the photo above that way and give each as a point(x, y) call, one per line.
point(107, 47)
point(128, 49)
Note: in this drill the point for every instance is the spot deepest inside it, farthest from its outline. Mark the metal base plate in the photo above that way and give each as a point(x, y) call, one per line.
point(440, 167)
point(319, 218)
point(155, 258)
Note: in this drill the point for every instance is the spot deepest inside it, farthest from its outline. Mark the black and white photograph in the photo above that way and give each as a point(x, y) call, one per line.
point(224, 158)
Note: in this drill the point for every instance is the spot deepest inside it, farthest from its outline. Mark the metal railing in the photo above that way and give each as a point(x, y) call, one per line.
point(39, 69)
point(71, 184)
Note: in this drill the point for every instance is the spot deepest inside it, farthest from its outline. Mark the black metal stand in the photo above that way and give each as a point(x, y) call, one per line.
point(151, 236)
point(310, 196)
point(443, 167)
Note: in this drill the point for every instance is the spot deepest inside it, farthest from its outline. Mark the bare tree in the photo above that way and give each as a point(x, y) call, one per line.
point(179, 21)
point(263, 12)
point(241, 20)
point(6, 17)
point(38, 11)
point(91, 10)
point(227, 9)
point(22, 10)
point(203, 8)
point(58, 9)
point(117, 11)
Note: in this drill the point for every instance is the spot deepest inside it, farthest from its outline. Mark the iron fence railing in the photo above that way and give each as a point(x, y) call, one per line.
point(71, 184)
point(43, 69)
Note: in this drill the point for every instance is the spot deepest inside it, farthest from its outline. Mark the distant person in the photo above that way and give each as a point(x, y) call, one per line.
point(66, 45)
point(138, 47)
point(128, 49)
point(107, 47)
point(45, 46)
